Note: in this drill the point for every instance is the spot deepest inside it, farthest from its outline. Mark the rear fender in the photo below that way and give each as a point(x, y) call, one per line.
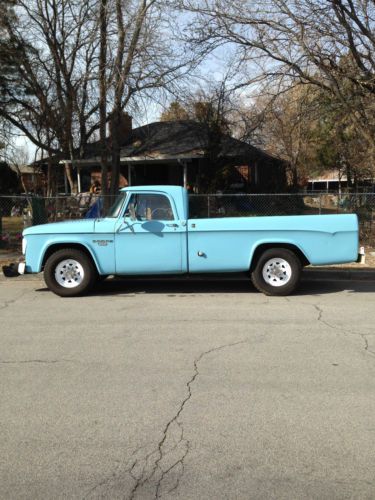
point(260, 247)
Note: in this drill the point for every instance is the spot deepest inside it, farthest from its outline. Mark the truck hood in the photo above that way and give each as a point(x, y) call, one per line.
point(71, 227)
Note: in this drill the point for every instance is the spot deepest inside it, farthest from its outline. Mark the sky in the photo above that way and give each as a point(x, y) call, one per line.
point(214, 67)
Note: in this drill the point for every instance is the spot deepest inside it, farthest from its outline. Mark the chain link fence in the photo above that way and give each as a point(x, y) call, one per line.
point(261, 205)
point(18, 212)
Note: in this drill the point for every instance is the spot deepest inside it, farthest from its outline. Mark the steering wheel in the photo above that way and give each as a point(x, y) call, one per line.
point(161, 213)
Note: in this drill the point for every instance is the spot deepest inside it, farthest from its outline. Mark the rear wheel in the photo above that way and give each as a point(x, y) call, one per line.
point(69, 272)
point(277, 272)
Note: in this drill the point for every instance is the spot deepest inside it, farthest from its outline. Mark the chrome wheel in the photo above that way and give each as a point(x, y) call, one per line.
point(276, 272)
point(69, 273)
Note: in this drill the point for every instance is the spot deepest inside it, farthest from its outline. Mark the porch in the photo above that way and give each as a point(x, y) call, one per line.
point(136, 172)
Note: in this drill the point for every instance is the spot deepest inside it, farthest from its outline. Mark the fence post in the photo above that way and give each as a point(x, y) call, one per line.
point(320, 204)
point(208, 206)
point(38, 211)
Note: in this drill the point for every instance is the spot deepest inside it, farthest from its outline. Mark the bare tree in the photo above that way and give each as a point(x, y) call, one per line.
point(145, 61)
point(18, 158)
point(329, 44)
point(55, 105)
point(88, 62)
point(103, 14)
point(288, 129)
point(215, 114)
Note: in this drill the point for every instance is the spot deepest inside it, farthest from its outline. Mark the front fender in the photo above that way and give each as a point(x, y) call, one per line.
point(100, 247)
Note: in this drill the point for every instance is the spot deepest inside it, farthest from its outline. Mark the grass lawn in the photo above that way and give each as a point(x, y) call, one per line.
point(12, 225)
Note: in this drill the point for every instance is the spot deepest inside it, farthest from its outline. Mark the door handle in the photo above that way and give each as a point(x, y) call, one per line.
point(172, 225)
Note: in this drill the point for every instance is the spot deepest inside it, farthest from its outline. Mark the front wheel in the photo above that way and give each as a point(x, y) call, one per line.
point(277, 272)
point(69, 272)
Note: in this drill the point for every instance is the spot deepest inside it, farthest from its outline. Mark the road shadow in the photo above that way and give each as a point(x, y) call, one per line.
point(191, 286)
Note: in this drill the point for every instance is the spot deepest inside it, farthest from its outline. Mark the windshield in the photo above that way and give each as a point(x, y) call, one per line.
point(115, 209)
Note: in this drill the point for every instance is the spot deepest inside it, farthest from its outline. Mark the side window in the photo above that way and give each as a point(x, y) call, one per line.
point(150, 207)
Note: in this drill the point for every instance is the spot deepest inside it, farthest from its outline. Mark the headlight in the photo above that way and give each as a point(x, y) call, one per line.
point(24, 244)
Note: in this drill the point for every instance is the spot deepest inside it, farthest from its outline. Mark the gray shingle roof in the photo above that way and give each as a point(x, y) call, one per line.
point(176, 139)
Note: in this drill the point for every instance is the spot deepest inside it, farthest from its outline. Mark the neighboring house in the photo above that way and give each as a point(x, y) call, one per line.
point(31, 178)
point(335, 181)
point(176, 153)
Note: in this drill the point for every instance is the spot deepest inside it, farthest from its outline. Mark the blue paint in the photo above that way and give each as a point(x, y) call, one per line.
point(135, 247)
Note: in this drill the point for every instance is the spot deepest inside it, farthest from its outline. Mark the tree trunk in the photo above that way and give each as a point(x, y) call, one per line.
point(119, 90)
point(49, 176)
point(69, 176)
point(103, 99)
point(349, 181)
point(115, 151)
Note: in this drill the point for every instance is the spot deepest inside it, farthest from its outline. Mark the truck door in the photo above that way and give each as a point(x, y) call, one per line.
point(149, 239)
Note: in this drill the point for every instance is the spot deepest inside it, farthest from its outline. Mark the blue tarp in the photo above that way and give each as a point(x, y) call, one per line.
point(95, 211)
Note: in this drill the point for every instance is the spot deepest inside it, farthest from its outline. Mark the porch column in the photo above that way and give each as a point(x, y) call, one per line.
point(184, 167)
point(65, 182)
point(256, 174)
point(79, 178)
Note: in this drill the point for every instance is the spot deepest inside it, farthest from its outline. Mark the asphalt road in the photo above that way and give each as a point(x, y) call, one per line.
point(187, 390)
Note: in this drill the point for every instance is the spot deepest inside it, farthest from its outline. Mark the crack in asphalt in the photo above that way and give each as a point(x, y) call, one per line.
point(365, 339)
point(103, 482)
point(342, 329)
point(161, 451)
point(110, 477)
point(10, 302)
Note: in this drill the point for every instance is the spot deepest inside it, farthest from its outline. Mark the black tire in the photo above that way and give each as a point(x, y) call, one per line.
point(292, 277)
point(89, 272)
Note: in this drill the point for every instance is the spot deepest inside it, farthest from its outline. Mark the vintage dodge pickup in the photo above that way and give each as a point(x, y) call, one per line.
point(148, 231)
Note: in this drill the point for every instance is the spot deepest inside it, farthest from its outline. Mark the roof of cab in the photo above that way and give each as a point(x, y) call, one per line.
point(165, 188)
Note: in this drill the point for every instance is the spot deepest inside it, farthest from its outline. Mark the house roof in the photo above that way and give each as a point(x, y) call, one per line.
point(171, 140)
point(26, 169)
point(330, 176)
point(175, 140)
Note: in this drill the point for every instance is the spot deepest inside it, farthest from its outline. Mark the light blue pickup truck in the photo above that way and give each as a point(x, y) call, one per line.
point(148, 232)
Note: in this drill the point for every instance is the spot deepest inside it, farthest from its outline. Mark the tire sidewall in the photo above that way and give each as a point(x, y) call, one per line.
point(79, 256)
point(295, 265)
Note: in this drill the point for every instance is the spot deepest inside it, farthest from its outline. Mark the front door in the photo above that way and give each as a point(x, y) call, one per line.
point(149, 239)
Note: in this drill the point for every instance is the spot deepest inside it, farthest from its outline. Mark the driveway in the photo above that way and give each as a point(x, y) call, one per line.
point(187, 390)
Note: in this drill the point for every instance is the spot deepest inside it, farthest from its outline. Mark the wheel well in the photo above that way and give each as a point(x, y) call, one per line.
point(266, 246)
point(60, 246)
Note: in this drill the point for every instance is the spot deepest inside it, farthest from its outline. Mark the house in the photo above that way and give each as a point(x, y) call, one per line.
point(337, 181)
point(178, 152)
point(32, 178)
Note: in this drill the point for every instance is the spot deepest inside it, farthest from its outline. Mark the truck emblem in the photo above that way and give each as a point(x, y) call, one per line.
point(102, 243)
